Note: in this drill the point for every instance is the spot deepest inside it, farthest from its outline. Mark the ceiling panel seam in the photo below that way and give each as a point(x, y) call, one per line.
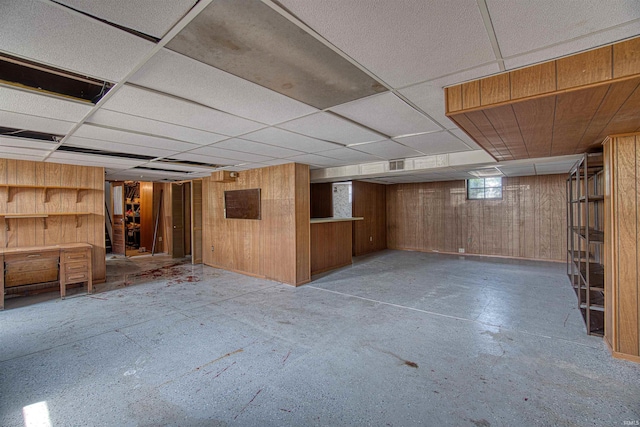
point(176, 28)
point(491, 32)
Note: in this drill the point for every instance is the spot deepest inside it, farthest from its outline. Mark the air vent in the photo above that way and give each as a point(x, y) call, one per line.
point(173, 171)
point(27, 134)
point(27, 74)
point(94, 152)
point(396, 165)
point(190, 163)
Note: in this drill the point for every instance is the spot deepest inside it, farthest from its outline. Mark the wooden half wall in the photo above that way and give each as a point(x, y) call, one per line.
point(58, 204)
point(529, 221)
point(275, 247)
point(622, 247)
point(369, 202)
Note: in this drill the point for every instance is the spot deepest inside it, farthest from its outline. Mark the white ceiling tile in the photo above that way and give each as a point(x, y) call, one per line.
point(276, 162)
point(152, 105)
point(245, 146)
point(116, 147)
point(34, 155)
point(466, 139)
point(316, 160)
point(572, 46)
point(6, 142)
point(524, 25)
point(434, 143)
point(386, 113)
point(290, 140)
point(52, 34)
point(217, 89)
point(549, 168)
point(430, 99)
point(92, 160)
point(239, 157)
point(134, 139)
point(350, 155)
point(153, 127)
point(38, 124)
point(463, 76)
point(388, 150)
point(34, 104)
point(145, 16)
point(437, 37)
point(525, 170)
point(331, 128)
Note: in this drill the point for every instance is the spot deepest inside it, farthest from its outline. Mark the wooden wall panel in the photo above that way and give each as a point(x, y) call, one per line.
point(534, 80)
point(528, 222)
point(453, 97)
point(303, 228)
point(471, 94)
point(626, 243)
point(626, 58)
point(369, 202)
point(584, 68)
point(321, 200)
point(146, 215)
point(495, 89)
point(269, 247)
point(59, 229)
point(325, 254)
point(196, 221)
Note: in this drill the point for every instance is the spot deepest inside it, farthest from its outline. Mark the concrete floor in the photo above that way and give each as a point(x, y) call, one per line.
point(398, 339)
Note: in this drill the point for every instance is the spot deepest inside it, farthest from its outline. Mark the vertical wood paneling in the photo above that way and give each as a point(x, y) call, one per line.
point(471, 94)
point(321, 200)
point(524, 223)
point(584, 68)
point(325, 254)
point(196, 221)
point(626, 58)
point(27, 232)
point(534, 80)
point(267, 247)
point(453, 96)
point(146, 215)
point(369, 202)
point(303, 228)
point(626, 211)
point(610, 277)
point(495, 89)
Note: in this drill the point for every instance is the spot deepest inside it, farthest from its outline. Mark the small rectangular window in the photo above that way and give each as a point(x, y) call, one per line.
point(484, 188)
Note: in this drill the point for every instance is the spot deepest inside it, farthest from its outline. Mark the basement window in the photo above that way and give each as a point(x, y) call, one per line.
point(484, 188)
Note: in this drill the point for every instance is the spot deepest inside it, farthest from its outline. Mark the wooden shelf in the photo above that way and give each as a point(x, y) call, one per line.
point(585, 253)
point(44, 216)
point(45, 190)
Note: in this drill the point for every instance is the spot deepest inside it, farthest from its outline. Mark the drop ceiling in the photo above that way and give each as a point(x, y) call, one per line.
point(341, 86)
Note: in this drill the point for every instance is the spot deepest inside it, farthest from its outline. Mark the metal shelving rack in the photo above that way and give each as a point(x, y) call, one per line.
point(585, 238)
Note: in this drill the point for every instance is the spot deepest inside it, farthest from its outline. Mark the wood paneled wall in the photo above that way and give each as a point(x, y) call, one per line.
point(370, 203)
point(529, 221)
point(622, 247)
point(331, 247)
point(59, 229)
point(321, 200)
point(146, 215)
point(275, 247)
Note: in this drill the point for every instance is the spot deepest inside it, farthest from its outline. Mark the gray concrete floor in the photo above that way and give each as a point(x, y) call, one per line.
point(398, 339)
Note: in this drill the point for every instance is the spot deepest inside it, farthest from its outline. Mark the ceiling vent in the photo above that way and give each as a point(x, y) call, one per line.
point(396, 165)
point(43, 78)
point(27, 134)
point(94, 152)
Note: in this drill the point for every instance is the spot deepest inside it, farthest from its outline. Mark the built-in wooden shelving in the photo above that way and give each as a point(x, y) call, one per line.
point(585, 239)
point(45, 190)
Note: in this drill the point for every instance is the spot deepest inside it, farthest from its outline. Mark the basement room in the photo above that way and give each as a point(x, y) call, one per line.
point(319, 213)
